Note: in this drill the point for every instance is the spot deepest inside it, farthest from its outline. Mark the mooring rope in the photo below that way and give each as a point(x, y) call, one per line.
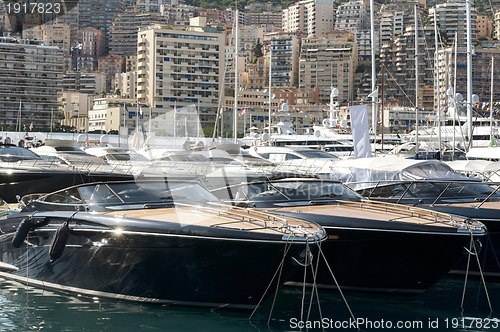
point(337, 284)
point(304, 286)
point(482, 275)
point(314, 272)
point(280, 267)
point(466, 275)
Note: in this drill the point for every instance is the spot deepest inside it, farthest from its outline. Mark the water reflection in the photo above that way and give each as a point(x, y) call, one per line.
point(25, 308)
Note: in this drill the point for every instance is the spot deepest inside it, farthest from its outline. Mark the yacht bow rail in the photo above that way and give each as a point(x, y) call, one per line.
point(411, 211)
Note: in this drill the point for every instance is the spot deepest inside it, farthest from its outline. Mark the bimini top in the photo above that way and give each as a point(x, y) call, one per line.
point(367, 172)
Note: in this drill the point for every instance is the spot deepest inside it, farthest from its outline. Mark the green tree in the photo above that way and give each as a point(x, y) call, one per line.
point(208, 131)
point(257, 49)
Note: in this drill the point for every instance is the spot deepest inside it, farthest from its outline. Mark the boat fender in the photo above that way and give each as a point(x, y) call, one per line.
point(21, 232)
point(59, 241)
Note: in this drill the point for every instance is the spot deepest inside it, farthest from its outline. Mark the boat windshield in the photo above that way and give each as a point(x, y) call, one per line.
point(10, 153)
point(317, 154)
point(293, 190)
point(131, 192)
point(363, 178)
point(431, 190)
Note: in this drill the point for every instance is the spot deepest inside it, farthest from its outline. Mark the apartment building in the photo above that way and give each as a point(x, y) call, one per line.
point(451, 18)
point(352, 16)
point(89, 83)
point(123, 31)
point(90, 47)
point(484, 26)
point(257, 74)
point(31, 80)
point(126, 83)
point(481, 72)
point(399, 61)
point(177, 12)
point(268, 18)
point(76, 106)
point(180, 66)
point(285, 49)
point(313, 17)
point(329, 62)
point(98, 14)
point(111, 65)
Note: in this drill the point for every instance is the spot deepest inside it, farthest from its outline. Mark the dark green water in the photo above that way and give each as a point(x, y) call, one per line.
point(32, 309)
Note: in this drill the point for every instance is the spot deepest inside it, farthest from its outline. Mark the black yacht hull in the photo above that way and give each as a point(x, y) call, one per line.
point(385, 261)
point(383, 256)
point(159, 268)
point(488, 248)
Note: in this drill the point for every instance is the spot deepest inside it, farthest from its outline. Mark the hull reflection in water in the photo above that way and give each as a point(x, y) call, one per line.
point(371, 245)
point(144, 242)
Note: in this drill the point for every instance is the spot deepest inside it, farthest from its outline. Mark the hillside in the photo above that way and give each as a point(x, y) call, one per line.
point(483, 6)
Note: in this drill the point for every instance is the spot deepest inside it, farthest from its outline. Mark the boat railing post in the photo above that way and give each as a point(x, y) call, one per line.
point(374, 188)
point(487, 198)
point(441, 194)
point(404, 193)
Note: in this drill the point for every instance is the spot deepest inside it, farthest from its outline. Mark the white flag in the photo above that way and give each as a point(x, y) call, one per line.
point(360, 133)
point(373, 94)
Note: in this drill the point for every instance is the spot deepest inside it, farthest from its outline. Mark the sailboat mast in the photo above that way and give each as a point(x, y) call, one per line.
point(270, 93)
point(416, 81)
point(438, 90)
point(455, 111)
point(469, 74)
point(235, 109)
point(374, 74)
point(491, 97)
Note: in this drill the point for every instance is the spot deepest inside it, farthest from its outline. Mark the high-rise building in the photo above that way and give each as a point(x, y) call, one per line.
point(481, 73)
point(126, 83)
point(98, 14)
point(90, 47)
point(123, 31)
point(285, 48)
point(88, 83)
point(399, 60)
point(76, 107)
point(31, 79)
point(180, 66)
point(451, 17)
point(314, 17)
point(329, 62)
point(268, 18)
point(111, 65)
point(149, 6)
point(484, 26)
point(352, 16)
